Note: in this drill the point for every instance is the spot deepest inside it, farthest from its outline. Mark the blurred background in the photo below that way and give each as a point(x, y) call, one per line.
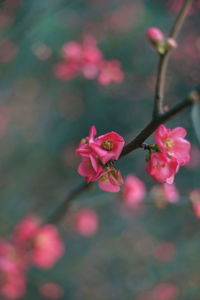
point(134, 253)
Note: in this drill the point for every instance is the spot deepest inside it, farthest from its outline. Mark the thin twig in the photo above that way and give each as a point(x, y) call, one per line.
point(153, 125)
point(164, 59)
point(59, 213)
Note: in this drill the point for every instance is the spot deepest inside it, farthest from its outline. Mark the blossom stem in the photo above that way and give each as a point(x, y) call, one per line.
point(61, 210)
point(164, 59)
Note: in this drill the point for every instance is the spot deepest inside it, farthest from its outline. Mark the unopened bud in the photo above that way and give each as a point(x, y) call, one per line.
point(155, 35)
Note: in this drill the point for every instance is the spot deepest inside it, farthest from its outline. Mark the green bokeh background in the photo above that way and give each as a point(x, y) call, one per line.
point(38, 166)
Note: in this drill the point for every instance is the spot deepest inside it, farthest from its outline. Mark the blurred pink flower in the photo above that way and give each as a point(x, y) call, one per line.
point(47, 248)
point(110, 71)
point(86, 222)
point(194, 197)
point(41, 245)
point(165, 291)
point(65, 71)
point(172, 142)
point(51, 290)
point(134, 191)
point(86, 59)
point(170, 192)
point(12, 274)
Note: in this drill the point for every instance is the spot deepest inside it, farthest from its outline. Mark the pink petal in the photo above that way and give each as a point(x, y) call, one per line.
point(178, 132)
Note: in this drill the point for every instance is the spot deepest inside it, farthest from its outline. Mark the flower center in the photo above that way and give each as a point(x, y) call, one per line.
point(168, 143)
point(107, 145)
point(104, 178)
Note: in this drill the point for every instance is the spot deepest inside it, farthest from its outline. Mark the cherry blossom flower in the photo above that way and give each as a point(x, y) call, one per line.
point(110, 72)
point(97, 156)
point(86, 222)
point(161, 168)
point(12, 273)
point(172, 142)
point(134, 191)
point(111, 181)
point(41, 245)
point(165, 291)
point(171, 192)
point(87, 60)
point(47, 247)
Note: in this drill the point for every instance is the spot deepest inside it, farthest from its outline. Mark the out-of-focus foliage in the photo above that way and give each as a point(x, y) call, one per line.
point(42, 121)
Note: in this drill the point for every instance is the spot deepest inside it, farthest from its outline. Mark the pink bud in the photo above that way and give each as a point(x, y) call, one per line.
point(155, 35)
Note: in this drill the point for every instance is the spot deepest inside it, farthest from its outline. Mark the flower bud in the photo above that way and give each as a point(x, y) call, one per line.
point(155, 35)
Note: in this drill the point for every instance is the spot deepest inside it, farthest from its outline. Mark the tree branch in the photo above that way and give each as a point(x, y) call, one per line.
point(159, 116)
point(153, 125)
point(164, 59)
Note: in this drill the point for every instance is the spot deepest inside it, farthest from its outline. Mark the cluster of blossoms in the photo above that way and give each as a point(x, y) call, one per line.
point(98, 155)
point(31, 245)
point(159, 41)
point(169, 153)
point(87, 60)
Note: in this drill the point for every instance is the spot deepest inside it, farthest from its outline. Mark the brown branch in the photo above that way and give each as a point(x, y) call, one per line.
point(153, 125)
point(136, 143)
point(164, 59)
point(59, 213)
point(158, 117)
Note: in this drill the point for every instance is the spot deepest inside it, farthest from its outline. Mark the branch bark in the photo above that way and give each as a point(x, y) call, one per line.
point(164, 59)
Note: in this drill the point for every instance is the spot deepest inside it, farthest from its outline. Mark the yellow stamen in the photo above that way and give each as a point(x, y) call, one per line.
point(168, 143)
point(107, 145)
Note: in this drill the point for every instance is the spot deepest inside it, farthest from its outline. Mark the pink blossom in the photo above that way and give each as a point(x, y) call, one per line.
point(14, 284)
point(110, 72)
point(96, 153)
point(90, 168)
point(72, 51)
point(165, 291)
point(51, 290)
point(111, 181)
point(86, 222)
point(12, 275)
point(40, 245)
point(155, 35)
point(172, 142)
point(195, 199)
point(107, 147)
point(26, 230)
point(65, 71)
point(171, 193)
point(196, 208)
point(48, 248)
point(161, 168)
point(134, 191)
